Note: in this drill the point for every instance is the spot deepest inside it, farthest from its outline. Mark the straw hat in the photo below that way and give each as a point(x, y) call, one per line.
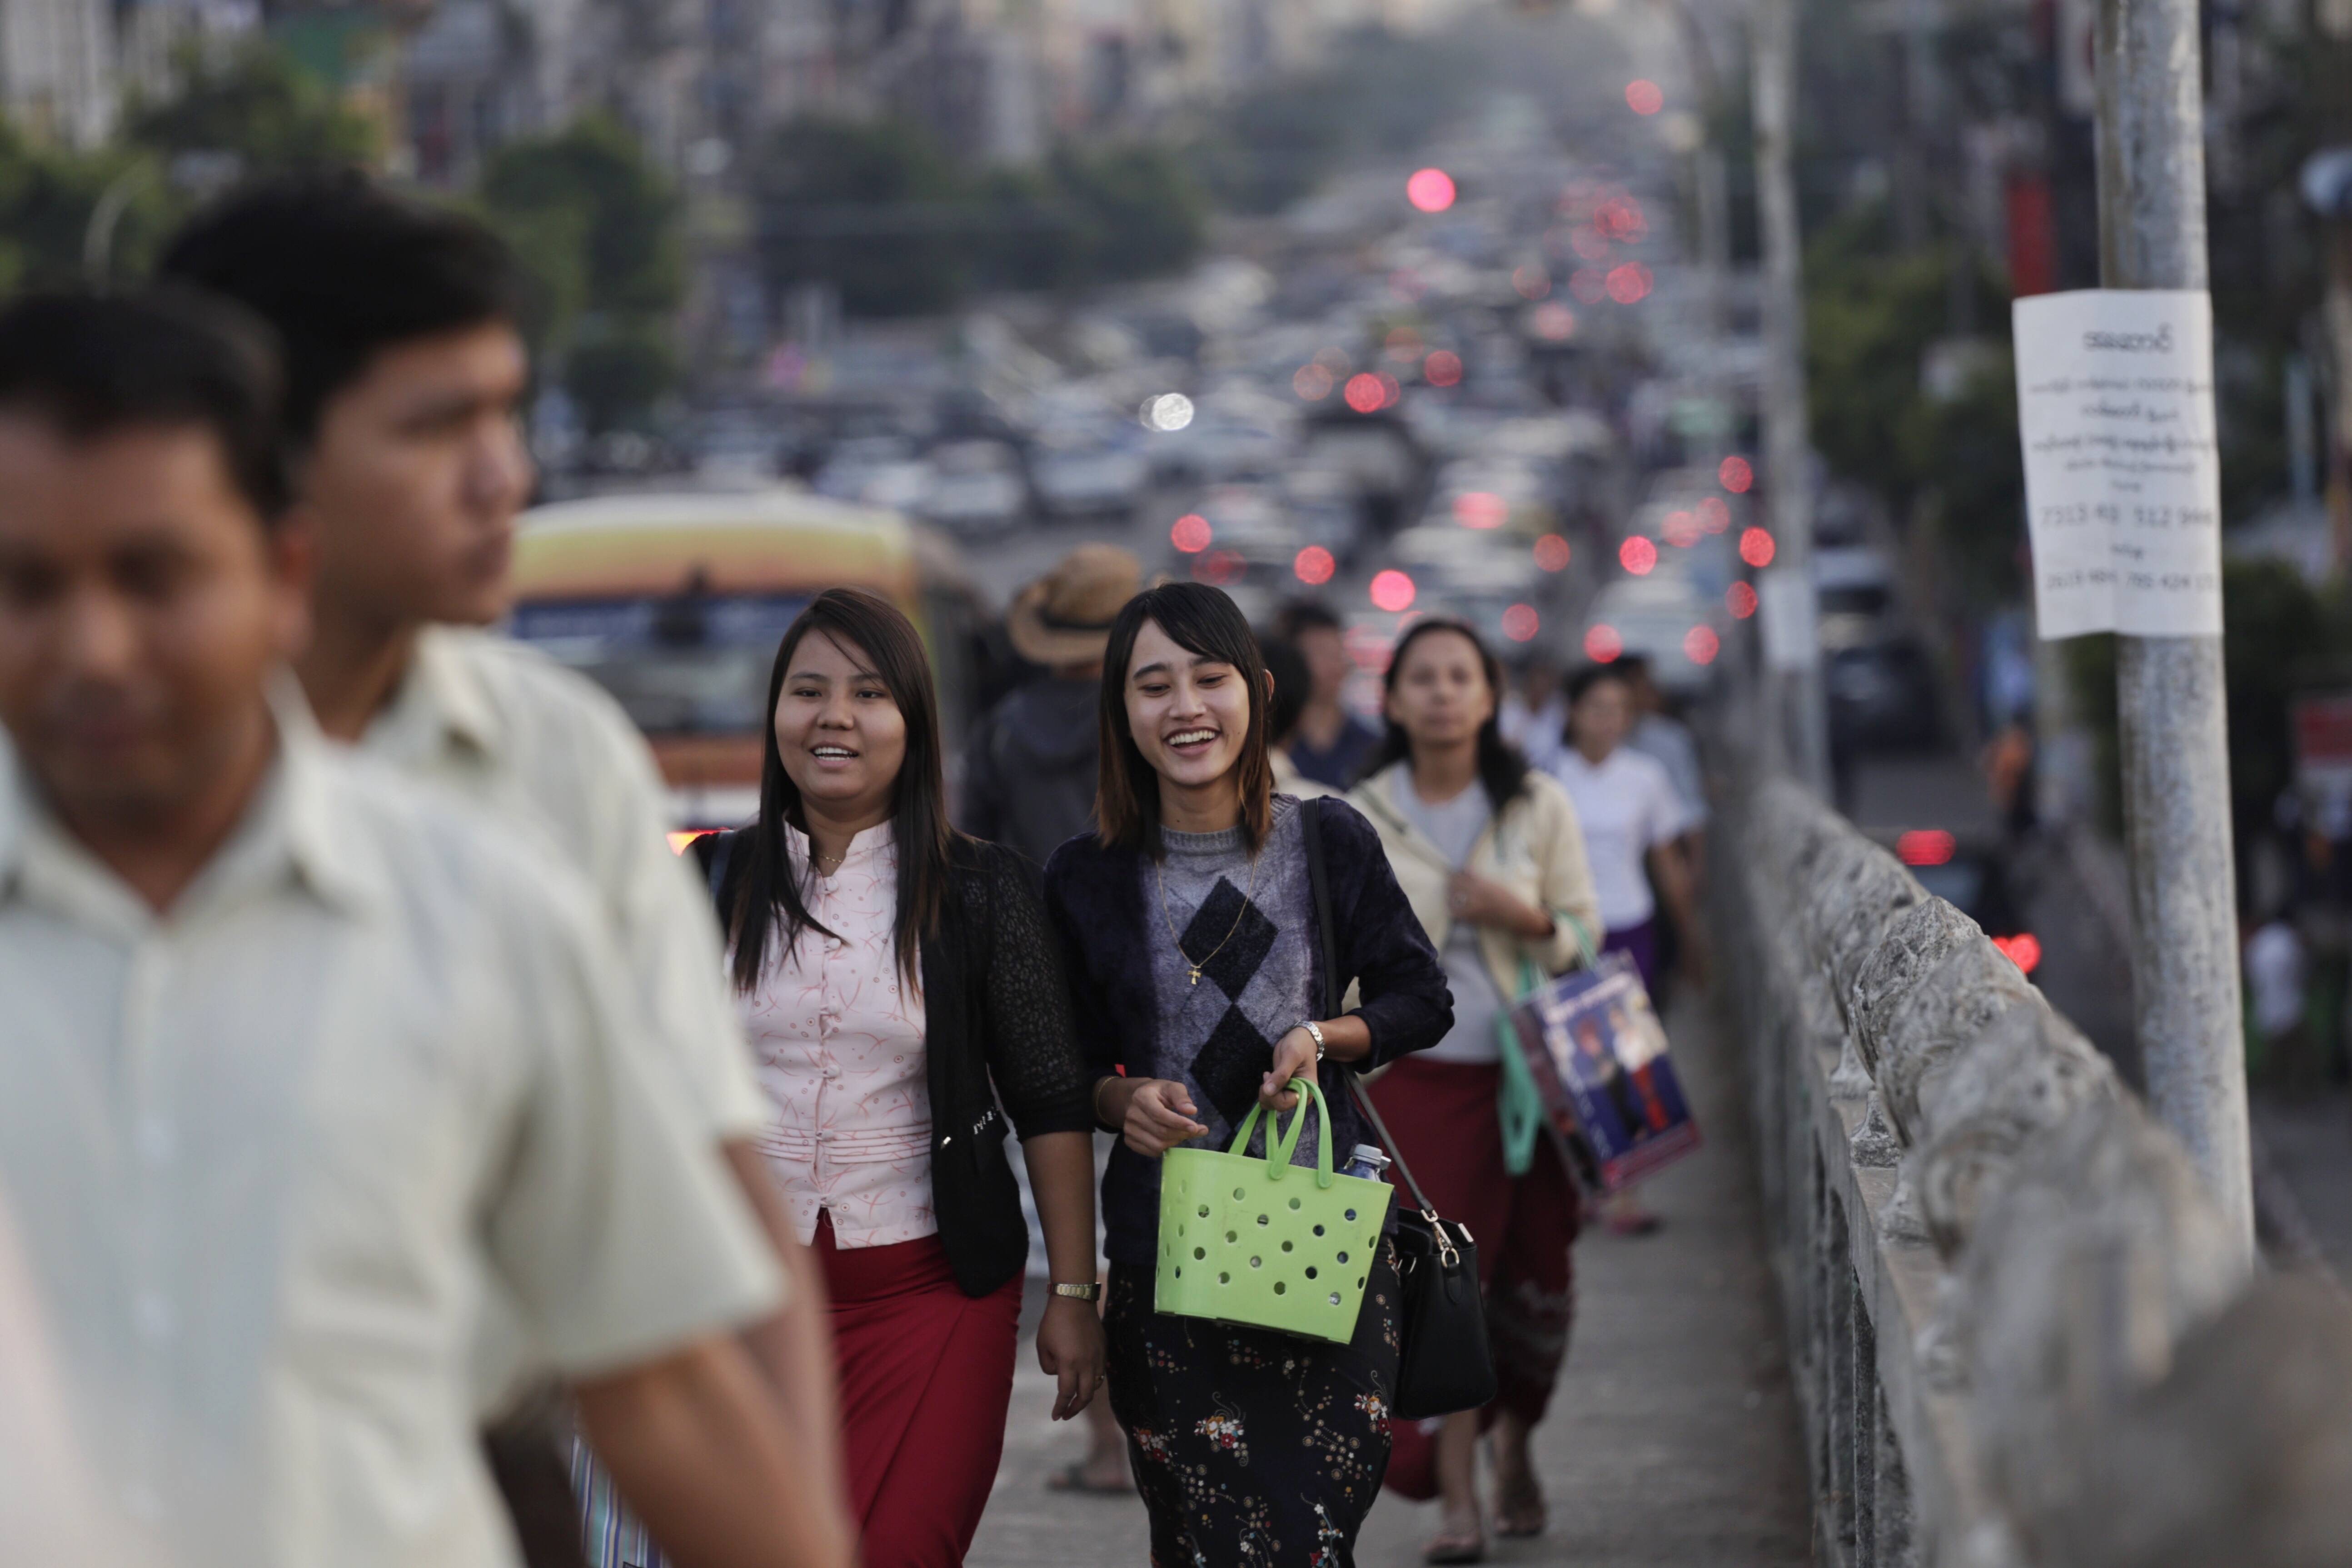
point(1064, 616)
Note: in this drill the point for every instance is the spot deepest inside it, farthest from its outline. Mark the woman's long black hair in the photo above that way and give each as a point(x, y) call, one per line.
point(1502, 767)
point(767, 896)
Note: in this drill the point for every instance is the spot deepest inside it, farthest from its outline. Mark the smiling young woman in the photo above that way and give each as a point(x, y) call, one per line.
point(1189, 929)
point(897, 983)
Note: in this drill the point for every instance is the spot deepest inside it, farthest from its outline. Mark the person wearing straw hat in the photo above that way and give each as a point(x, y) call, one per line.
point(1029, 782)
point(1030, 768)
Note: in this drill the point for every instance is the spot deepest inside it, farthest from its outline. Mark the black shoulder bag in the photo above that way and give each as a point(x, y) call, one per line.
point(1444, 1365)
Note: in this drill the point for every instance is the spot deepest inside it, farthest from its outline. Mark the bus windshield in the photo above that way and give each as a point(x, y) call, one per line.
point(681, 664)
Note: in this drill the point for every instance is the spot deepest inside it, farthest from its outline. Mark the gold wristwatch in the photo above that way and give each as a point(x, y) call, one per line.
point(1089, 1291)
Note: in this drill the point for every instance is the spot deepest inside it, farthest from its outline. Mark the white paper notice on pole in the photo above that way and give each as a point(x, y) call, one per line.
point(2122, 480)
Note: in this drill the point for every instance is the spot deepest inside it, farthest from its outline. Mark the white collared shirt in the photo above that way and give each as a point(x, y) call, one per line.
point(268, 1153)
point(839, 1036)
point(550, 754)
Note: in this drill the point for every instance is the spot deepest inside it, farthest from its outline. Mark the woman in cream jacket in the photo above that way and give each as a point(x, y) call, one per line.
point(1492, 860)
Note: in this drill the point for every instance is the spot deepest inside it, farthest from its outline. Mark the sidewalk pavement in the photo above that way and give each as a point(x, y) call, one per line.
point(1673, 1438)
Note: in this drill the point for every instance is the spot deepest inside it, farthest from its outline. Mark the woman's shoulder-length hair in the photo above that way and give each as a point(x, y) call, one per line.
point(768, 909)
point(1206, 623)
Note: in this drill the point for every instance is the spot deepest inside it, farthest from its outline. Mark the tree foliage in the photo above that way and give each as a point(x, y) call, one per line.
point(596, 229)
point(48, 197)
point(1871, 318)
point(882, 213)
point(1271, 144)
point(255, 105)
point(253, 112)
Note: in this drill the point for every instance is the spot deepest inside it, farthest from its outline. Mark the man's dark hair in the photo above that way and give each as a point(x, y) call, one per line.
point(1292, 681)
point(1304, 616)
point(1592, 674)
point(343, 270)
point(90, 366)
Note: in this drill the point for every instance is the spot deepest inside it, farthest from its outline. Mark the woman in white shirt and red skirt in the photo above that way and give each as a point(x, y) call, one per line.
point(1491, 856)
point(897, 986)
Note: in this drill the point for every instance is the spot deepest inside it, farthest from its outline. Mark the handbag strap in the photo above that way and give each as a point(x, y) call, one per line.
point(1318, 883)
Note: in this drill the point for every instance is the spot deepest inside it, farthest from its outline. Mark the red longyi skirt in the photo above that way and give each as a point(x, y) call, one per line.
point(925, 1379)
point(1443, 1117)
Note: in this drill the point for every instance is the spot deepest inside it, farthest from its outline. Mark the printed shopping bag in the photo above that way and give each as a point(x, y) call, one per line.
point(1598, 1054)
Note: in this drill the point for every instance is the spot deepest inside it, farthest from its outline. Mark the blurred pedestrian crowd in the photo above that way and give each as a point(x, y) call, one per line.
point(405, 1158)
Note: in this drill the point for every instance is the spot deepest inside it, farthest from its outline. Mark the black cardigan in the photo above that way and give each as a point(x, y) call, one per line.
point(996, 1023)
point(1095, 898)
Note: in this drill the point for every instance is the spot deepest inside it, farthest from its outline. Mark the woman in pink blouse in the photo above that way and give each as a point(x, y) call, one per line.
point(897, 984)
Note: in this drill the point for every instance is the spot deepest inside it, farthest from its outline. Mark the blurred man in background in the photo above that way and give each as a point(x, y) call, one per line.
point(1030, 768)
point(1659, 734)
point(1030, 775)
point(1330, 744)
point(405, 373)
point(1535, 713)
point(1292, 682)
point(298, 1056)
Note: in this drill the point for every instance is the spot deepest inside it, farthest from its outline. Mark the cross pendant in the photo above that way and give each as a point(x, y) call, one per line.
point(1196, 978)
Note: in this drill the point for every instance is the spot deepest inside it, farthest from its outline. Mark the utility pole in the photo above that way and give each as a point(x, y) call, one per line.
point(2168, 689)
point(1792, 637)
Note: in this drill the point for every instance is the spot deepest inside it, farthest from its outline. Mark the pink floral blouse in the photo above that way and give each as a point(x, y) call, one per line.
point(838, 1036)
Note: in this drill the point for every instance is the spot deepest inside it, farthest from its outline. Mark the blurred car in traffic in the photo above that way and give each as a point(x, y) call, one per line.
point(1882, 695)
point(1088, 480)
point(1664, 619)
point(874, 470)
point(1853, 588)
point(675, 604)
point(1972, 874)
point(976, 489)
point(1326, 511)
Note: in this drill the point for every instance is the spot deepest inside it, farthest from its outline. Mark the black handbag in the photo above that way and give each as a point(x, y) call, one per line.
point(1445, 1364)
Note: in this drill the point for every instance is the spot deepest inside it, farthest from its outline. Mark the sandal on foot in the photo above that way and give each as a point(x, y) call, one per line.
point(1520, 1515)
point(1450, 1547)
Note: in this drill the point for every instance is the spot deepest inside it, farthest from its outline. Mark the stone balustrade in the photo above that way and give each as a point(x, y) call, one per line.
point(2020, 1336)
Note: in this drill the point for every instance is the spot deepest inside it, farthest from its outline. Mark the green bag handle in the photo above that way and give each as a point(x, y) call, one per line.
point(1280, 1147)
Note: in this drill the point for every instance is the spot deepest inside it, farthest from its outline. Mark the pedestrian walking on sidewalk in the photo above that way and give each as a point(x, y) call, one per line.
point(405, 376)
point(1188, 920)
point(1330, 744)
point(1632, 818)
point(302, 1059)
point(898, 984)
point(1029, 785)
point(1492, 857)
point(1030, 768)
point(1634, 823)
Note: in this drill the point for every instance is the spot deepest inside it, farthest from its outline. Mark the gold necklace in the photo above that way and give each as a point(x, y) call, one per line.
point(1161, 871)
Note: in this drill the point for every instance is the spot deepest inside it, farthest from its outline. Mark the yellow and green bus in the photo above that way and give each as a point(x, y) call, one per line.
point(675, 604)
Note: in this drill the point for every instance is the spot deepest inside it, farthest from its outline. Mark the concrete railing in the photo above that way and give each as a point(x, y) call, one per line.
point(2016, 1328)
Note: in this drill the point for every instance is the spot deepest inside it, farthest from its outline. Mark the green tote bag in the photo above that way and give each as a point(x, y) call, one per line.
point(1265, 1243)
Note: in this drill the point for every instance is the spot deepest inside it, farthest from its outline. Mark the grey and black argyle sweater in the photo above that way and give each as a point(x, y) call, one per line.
point(1140, 1011)
point(1251, 936)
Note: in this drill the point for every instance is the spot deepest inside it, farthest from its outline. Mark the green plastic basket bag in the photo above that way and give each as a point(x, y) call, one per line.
point(1265, 1243)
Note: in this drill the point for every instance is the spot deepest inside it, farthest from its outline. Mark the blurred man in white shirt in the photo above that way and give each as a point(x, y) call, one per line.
point(300, 1057)
point(405, 377)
